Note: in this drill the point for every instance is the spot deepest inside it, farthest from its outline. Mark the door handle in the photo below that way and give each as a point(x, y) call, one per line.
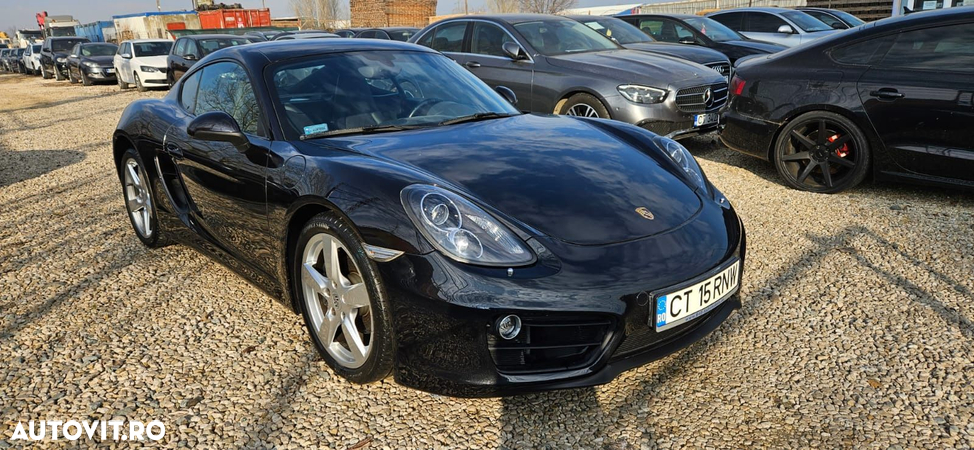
point(472, 64)
point(174, 150)
point(886, 93)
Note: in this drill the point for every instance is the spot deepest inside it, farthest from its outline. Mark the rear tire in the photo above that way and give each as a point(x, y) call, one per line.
point(582, 105)
point(341, 294)
point(822, 152)
point(140, 201)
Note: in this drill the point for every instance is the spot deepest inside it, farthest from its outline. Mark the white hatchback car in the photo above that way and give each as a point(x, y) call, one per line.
point(142, 62)
point(32, 59)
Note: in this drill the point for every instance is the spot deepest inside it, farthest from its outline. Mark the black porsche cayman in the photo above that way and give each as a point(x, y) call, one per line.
point(423, 226)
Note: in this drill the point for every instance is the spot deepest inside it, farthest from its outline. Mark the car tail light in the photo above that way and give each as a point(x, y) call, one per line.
point(737, 85)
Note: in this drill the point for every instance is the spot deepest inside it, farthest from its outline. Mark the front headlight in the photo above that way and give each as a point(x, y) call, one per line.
point(148, 69)
point(462, 230)
point(642, 94)
point(62, 60)
point(91, 64)
point(682, 157)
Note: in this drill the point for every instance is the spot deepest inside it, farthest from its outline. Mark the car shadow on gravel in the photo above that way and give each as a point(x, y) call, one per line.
point(17, 166)
point(67, 101)
point(569, 416)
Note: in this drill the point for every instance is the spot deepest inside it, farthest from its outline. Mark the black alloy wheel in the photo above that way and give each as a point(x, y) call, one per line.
point(822, 152)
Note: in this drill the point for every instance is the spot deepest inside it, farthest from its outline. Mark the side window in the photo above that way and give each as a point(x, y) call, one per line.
point(937, 48)
point(488, 39)
point(449, 37)
point(76, 50)
point(427, 39)
point(367, 34)
point(652, 27)
point(187, 96)
point(861, 53)
point(128, 48)
point(683, 32)
point(734, 21)
point(759, 22)
point(181, 47)
point(226, 87)
point(827, 18)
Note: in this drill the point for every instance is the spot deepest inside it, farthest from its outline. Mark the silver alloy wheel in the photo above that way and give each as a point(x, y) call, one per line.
point(137, 198)
point(337, 303)
point(582, 110)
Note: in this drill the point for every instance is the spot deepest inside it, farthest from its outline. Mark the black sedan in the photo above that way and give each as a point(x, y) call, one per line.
point(892, 98)
point(834, 18)
point(189, 49)
point(696, 30)
point(632, 38)
point(91, 62)
point(389, 33)
point(424, 227)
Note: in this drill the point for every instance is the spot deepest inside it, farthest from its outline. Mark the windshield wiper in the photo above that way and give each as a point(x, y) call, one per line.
point(359, 130)
point(476, 117)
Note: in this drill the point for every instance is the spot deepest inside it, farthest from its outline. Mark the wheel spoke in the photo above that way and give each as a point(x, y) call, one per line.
point(357, 296)
point(800, 156)
point(822, 138)
point(805, 173)
point(133, 175)
point(833, 146)
point(841, 161)
point(312, 277)
point(352, 338)
point(133, 203)
point(328, 328)
point(826, 174)
point(332, 267)
point(146, 221)
point(803, 140)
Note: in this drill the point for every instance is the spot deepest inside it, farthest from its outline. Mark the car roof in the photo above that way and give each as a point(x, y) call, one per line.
point(272, 51)
point(139, 41)
point(588, 17)
point(214, 36)
point(937, 16)
point(512, 18)
point(767, 9)
point(674, 16)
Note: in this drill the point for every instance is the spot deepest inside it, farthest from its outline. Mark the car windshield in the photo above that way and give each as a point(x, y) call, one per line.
point(98, 50)
point(64, 45)
point(558, 37)
point(622, 32)
point(35, 48)
point(806, 22)
point(151, 48)
point(853, 21)
point(402, 35)
point(361, 92)
point(713, 29)
point(212, 45)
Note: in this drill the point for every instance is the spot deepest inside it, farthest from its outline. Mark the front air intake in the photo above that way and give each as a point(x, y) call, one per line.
point(551, 344)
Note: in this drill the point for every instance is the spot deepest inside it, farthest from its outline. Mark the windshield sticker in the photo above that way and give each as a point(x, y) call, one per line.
point(312, 129)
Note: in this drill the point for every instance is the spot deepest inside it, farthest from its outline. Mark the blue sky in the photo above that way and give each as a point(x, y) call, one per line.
point(20, 13)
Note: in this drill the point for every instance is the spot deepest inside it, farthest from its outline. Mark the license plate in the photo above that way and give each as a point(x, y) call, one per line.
point(700, 120)
point(693, 301)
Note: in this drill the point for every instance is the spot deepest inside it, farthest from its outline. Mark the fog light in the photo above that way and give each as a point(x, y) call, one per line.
point(509, 326)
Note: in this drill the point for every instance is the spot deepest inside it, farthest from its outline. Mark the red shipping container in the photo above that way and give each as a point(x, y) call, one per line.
point(235, 18)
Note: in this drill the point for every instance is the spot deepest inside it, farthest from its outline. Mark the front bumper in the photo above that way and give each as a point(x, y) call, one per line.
point(100, 74)
point(157, 78)
point(666, 118)
point(588, 323)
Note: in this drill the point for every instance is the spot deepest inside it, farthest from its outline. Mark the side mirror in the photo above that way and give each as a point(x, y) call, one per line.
point(786, 29)
point(514, 51)
point(72, 56)
point(507, 93)
point(190, 57)
point(127, 55)
point(217, 126)
point(688, 40)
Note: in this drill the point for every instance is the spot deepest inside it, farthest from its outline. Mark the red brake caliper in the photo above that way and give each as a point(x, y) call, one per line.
point(843, 151)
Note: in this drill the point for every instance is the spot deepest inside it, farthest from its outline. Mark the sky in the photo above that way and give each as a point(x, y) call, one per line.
point(20, 13)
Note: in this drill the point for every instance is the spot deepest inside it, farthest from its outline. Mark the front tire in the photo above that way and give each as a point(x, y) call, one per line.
point(139, 201)
point(71, 78)
point(58, 76)
point(582, 105)
point(44, 74)
point(138, 83)
point(342, 300)
point(122, 85)
point(822, 152)
point(84, 78)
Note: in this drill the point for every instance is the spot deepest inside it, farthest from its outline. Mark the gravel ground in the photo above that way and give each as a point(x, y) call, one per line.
point(856, 330)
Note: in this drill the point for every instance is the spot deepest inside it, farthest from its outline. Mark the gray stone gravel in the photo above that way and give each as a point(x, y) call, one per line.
point(856, 331)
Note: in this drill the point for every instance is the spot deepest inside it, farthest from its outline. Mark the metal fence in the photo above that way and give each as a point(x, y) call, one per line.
point(697, 6)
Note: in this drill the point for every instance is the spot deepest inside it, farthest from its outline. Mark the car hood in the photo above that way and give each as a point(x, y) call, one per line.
point(559, 176)
point(100, 60)
point(630, 66)
point(757, 46)
point(153, 61)
point(697, 54)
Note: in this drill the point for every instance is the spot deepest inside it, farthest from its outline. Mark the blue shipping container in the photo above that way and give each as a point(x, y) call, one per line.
point(95, 31)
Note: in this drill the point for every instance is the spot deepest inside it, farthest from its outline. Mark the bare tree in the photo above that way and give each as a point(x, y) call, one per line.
point(546, 6)
point(503, 6)
point(320, 14)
